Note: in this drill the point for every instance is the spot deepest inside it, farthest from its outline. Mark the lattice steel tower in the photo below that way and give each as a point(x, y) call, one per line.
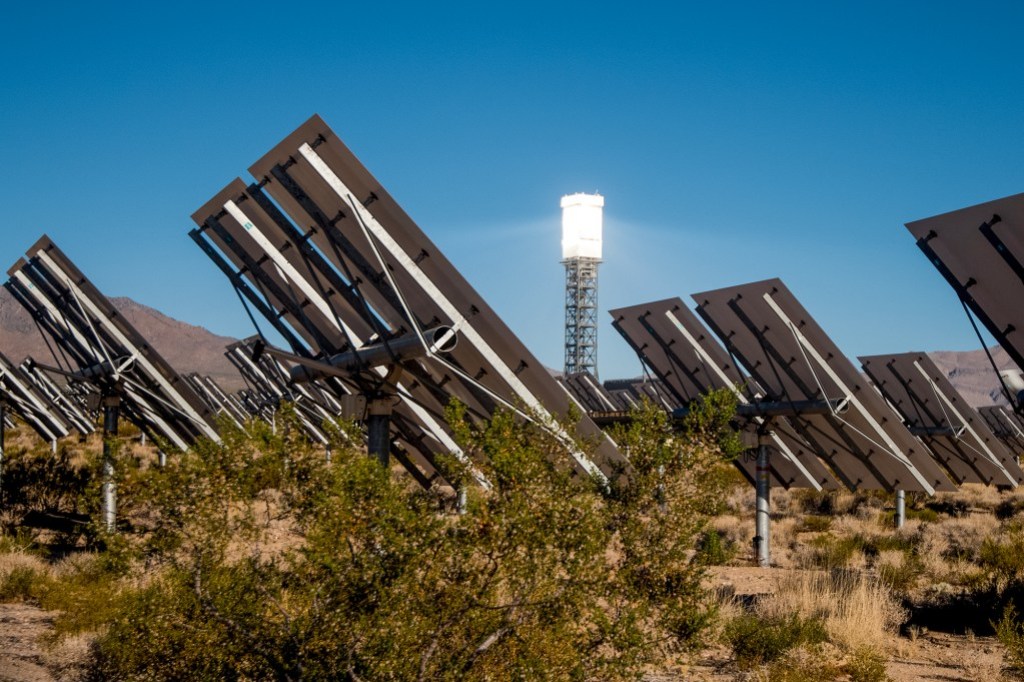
point(582, 216)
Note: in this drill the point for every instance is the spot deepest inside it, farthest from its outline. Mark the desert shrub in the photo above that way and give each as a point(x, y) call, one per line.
point(804, 664)
point(857, 610)
point(865, 665)
point(900, 575)
point(713, 549)
point(756, 640)
point(1010, 632)
point(20, 573)
point(36, 479)
point(256, 559)
point(1004, 556)
point(816, 502)
point(815, 523)
point(1008, 508)
point(835, 552)
point(884, 543)
point(924, 515)
point(951, 506)
point(18, 583)
point(85, 590)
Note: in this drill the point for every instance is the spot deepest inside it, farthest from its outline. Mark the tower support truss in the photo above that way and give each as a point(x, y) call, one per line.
point(581, 315)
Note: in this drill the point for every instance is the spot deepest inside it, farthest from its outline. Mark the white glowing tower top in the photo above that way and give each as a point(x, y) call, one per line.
point(582, 224)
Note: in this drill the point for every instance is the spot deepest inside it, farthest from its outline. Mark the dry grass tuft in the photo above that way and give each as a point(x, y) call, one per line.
point(68, 658)
point(14, 561)
point(858, 611)
point(735, 530)
point(974, 496)
point(785, 541)
point(946, 547)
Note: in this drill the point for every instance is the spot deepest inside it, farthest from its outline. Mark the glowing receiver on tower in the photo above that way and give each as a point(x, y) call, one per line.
point(582, 216)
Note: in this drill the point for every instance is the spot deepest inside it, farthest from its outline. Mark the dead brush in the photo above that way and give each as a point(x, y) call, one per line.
point(858, 611)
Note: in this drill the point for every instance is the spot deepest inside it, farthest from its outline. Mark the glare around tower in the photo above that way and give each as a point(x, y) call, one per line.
point(582, 223)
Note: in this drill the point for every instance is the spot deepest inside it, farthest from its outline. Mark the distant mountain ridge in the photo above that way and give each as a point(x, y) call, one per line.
point(189, 348)
point(972, 374)
point(186, 347)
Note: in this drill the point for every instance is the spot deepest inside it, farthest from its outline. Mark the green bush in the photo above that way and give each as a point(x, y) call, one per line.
point(802, 665)
point(713, 550)
point(815, 523)
point(1003, 556)
point(755, 640)
point(256, 559)
point(903, 577)
point(923, 515)
point(832, 552)
point(866, 665)
point(816, 502)
point(18, 584)
point(1010, 632)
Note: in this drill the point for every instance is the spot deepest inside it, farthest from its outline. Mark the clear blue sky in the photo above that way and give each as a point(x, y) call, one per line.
point(732, 142)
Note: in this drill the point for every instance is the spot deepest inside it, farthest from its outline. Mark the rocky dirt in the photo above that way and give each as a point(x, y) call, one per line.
point(21, 652)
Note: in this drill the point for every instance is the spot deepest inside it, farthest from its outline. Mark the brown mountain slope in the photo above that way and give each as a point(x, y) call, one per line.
point(194, 349)
point(972, 374)
point(186, 347)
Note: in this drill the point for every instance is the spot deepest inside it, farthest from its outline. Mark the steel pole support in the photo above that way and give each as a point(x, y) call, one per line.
point(3, 435)
point(901, 508)
point(762, 484)
point(378, 429)
point(111, 414)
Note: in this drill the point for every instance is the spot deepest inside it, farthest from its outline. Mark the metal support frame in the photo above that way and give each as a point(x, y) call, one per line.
point(581, 315)
point(780, 408)
point(762, 484)
point(3, 435)
point(111, 414)
point(901, 508)
point(378, 428)
point(963, 293)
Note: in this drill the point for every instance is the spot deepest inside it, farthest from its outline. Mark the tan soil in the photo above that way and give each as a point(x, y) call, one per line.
point(21, 656)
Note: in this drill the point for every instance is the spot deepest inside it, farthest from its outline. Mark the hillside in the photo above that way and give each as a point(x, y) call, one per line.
point(971, 373)
point(194, 349)
point(186, 347)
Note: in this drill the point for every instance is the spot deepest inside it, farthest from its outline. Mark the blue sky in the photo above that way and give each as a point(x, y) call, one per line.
point(732, 142)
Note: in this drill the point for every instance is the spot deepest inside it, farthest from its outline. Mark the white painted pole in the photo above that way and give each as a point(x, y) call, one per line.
point(901, 508)
point(762, 541)
point(111, 413)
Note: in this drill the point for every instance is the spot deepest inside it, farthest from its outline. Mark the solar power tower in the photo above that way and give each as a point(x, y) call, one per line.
point(582, 225)
point(96, 345)
point(793, 361)
point(368, 305)
point(979, 251)
point(934, 411)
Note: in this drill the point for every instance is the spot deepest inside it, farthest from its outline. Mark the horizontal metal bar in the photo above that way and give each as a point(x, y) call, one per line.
point(947, 431)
